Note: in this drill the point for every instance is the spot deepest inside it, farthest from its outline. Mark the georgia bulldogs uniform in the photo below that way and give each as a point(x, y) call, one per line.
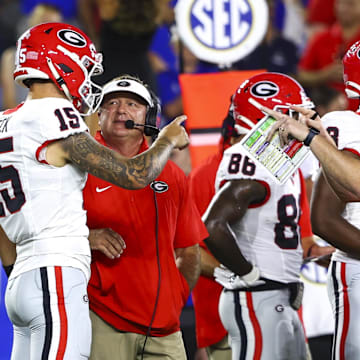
point(41, 205)
point(262, 324)
point(344, 271)
point(47, 238)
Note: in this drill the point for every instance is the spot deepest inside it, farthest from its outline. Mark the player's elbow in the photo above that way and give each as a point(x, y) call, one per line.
point(215, 227)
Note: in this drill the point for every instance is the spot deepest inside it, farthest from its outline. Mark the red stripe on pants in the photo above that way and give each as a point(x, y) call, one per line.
point(62, 313)
point(346, 311)
point(256, 327)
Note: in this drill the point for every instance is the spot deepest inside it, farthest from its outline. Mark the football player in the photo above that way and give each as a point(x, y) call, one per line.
point(341, 168)
point(46, 152)
point(338, 222)
point(254, 227)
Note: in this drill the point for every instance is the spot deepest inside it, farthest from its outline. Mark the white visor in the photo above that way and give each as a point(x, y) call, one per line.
point(130, 86)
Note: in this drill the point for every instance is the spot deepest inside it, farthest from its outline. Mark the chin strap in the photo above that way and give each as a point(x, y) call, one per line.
point(59, 80)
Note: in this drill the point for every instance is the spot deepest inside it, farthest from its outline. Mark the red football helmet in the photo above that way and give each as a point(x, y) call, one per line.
point(273, 90)
point(64, 54)
point(351, 63)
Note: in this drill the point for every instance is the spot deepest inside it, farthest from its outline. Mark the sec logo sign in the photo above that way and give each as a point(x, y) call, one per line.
point(221, 31)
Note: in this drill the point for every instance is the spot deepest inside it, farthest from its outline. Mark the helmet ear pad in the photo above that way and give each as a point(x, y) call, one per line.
point(153, 115)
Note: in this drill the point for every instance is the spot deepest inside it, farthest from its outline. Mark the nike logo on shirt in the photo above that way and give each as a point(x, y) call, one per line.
point(99, 190)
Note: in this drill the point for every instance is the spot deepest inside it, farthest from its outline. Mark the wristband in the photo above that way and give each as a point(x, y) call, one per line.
point(8, 269)
point(252, 276)
point(312, 133)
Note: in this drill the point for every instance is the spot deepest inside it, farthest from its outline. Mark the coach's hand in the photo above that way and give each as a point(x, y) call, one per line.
point(176, 133)
point(108, 241)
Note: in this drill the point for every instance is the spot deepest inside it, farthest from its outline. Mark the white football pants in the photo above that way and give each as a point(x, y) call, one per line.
point(262, 325)
point(49, 309)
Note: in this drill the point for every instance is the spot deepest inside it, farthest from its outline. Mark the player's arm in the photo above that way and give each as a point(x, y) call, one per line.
point(327, 220)
point(314, 251)
point(332, 72)
point(130, 173)
point(227, 207)
point(188, 263)
point(7, 252)
point(342, 171)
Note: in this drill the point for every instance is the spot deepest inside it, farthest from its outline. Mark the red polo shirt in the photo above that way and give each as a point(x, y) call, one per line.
point(206, 293)
point(304, 220)
point(321, 11)
point(123, 291)
point(323, 49)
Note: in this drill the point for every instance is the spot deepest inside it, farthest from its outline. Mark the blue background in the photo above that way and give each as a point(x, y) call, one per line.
point(6, 333)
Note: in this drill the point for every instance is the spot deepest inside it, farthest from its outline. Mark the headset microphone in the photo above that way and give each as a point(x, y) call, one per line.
point(130, 124)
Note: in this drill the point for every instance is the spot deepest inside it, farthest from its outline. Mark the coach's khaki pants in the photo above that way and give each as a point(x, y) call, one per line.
point(220, 350)
point(110, 344)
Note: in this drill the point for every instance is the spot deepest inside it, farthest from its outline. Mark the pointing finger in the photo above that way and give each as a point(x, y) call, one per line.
point(180, 119)
point(302, 110)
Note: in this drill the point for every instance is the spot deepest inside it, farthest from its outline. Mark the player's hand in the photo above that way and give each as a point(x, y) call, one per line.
point(321, 255)
point(298, 129)
point(176, 133)
point(108, 241)
point(231, 281)
point(286, 126)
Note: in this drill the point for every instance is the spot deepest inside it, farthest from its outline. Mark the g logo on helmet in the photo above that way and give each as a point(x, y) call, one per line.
point(264, 89)
point(159, 186)
point(72, 38)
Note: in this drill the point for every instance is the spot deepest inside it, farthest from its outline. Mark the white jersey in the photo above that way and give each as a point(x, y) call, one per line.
point(268, 234)
point(41, 205)
point(344, 127)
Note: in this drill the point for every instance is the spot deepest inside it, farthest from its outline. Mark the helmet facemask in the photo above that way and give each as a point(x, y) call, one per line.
point(90, 94)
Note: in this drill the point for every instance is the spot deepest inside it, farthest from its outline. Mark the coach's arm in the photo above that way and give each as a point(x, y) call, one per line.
point(188, 263)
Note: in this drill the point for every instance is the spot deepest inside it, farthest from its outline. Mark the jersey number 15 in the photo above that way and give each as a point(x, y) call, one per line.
point(10, 174)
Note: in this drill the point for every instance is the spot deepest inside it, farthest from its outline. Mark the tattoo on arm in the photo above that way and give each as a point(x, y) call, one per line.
point(134, 173)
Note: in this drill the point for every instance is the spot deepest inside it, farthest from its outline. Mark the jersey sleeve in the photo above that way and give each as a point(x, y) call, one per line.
point(60, 120)
point(344, 127)
point(236, 165)
point(309, 59)
point(57, 121)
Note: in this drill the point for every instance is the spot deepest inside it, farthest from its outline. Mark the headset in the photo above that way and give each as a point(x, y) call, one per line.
point(153, 116)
